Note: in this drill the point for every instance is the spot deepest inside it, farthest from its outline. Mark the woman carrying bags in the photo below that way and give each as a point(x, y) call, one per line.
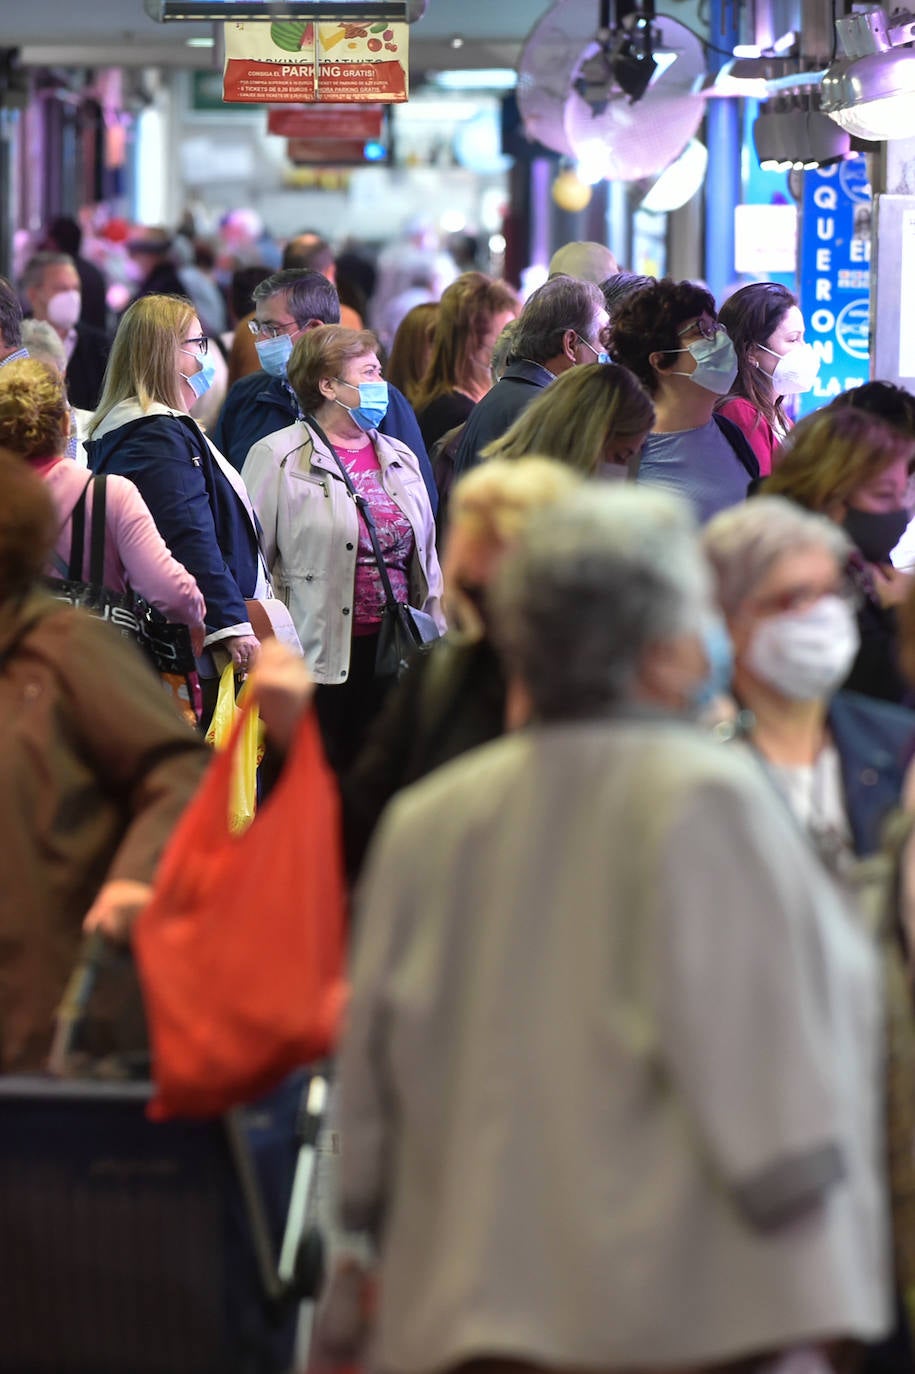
point(35, 425)
point(310, 484)
point(142, 430)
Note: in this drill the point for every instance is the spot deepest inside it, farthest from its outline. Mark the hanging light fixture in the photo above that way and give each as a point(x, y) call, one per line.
point(870, 91)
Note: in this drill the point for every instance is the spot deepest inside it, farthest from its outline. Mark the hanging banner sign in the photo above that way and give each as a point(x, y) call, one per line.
point(835, 276)
point(327, 122)
point(307, 62)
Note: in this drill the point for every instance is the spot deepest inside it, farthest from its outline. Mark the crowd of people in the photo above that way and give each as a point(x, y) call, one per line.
point(614, 1083)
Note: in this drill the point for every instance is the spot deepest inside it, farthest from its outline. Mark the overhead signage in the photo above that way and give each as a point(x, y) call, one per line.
point(305, 63)
point(835, 276)
point(318, 122)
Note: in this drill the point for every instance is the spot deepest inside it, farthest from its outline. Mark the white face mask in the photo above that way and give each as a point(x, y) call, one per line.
point(805, 654)
point(64, 309)
point(796, 371)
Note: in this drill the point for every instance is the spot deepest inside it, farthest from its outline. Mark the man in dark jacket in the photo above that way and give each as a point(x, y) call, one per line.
point(562, 324)
point(52, 288)
point(285, 306)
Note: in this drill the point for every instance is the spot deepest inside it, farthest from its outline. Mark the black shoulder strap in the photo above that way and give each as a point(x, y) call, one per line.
point(363, 507)
point(78, 534)
point(96, 533)
point(739, 443)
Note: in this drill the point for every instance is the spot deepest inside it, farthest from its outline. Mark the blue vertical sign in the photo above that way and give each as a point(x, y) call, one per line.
point(835, 276)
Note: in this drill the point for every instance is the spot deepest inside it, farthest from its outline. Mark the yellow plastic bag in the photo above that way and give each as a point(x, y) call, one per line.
point(243, 790)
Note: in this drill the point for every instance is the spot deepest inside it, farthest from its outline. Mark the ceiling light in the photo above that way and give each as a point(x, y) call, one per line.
point(870, 91)
point(200, 42)
point(476, 79)
point(798, 135)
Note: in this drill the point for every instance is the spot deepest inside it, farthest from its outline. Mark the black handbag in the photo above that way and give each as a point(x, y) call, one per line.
point(403, 628)
point(165, 644)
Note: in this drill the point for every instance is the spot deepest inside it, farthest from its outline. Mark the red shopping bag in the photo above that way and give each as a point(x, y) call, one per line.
point(240, 950)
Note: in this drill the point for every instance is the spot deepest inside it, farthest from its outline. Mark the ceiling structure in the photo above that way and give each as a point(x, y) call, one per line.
point(452, 34)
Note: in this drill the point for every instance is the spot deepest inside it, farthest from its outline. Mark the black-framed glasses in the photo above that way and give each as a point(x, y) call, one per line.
point(201, 341)
point(269, 331)
point(706, 329)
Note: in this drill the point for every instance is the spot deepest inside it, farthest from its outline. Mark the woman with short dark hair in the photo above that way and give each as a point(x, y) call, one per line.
point(667, 333)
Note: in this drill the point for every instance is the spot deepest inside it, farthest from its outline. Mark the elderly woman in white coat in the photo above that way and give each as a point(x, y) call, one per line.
point(610, 1087)
point(316, 538)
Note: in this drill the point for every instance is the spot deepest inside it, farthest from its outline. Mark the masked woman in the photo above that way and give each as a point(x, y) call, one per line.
point(142, 430)
point(766, 328)
point(318, 538)
point(854, 468)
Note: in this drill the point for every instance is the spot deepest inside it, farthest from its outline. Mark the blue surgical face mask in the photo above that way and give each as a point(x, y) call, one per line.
point(720, 655)
point(373, 403)
point(200, 382)
point(600, 356)
point(274, 354)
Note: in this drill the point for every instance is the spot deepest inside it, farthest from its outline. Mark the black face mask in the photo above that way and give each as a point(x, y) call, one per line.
point(876, 533)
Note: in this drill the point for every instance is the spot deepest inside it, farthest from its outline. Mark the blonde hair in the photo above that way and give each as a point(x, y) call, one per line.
point(830, 454)
point(466, 312)
point(576, 417)
point(143, 361)
point(33, 406)
point(492, 504)
point(321, 353)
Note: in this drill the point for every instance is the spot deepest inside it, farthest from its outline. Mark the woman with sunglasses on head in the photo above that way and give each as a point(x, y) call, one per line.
point(766, 327)
point(668, 335)
point(142, 430)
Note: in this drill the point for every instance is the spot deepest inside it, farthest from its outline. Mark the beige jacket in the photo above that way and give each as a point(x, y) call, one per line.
point(311, 535)
point(610, 1091)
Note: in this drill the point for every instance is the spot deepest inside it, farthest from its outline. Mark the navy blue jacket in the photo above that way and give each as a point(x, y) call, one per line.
point(874, 742)
point(195, 507)
point(258, 405)
point(520, 383)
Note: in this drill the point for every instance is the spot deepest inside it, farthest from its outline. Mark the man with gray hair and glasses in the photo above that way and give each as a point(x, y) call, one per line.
point(562, 324)
point(610, 1089)
point(286, 305)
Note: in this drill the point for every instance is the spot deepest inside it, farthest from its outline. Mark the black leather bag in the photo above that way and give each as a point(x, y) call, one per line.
point(403, 631)
point(165, 644)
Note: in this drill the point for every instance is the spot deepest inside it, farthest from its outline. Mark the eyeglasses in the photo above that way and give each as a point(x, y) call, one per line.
point(269, 331)
point(705, 329)
point(201, 341)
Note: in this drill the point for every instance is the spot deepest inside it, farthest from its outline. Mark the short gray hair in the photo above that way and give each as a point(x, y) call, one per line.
point(34, 271)
point(744, 543)
point(561, 304)
point(591, 584)
point(44, 343)
point(309, 296)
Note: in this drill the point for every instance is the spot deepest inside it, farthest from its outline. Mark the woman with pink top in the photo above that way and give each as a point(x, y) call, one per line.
point(34, 425)
point(766, 327)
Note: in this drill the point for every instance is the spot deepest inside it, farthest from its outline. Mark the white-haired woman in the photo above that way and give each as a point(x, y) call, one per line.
point(608, 1086)
point(838, 758)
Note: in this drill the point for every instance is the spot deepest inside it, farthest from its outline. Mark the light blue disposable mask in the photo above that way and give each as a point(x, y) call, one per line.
point(716, 363)
point(200, 382)
point(373, 403)
point(720, 654)
point(600, 356)
point(274, 354)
